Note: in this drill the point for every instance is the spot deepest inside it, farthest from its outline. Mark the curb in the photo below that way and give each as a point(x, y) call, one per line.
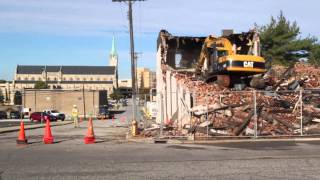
point(173, 141)
point(252, 140)
point(28, 127)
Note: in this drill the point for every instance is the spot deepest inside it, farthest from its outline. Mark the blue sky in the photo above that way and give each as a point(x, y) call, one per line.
point(79, 32)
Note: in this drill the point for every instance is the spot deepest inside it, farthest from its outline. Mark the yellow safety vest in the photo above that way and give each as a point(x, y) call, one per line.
point(74, 112)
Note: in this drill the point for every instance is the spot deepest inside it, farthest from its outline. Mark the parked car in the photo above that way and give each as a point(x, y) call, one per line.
point(56, 113)
point(3, 115)
point(104, 113)
point(26, 112)
point(124, 102)
point(37, 116)
point(15, 115)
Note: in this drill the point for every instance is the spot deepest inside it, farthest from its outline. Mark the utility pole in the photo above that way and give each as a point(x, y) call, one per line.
point(35, 100)
point(133, 71)
point(24, 97)
point(84, 102)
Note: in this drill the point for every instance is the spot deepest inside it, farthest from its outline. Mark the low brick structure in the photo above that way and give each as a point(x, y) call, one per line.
point(87, 101)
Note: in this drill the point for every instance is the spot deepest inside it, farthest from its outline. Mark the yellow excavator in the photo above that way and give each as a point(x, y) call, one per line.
point(231, 60)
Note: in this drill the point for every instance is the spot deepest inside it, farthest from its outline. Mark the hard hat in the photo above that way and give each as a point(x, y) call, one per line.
point(74, 105)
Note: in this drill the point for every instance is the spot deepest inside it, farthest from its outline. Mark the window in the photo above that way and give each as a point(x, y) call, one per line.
point(26, 79)
point(84, 79)
point(222, 53)
point(98, 79)
point(18, 78)
point(55, 78)
point(91, 79)
point(71, 79)
point(32, 78)
point(78, 79)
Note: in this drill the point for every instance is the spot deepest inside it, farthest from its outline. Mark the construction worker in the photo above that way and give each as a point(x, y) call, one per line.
point(75, 115)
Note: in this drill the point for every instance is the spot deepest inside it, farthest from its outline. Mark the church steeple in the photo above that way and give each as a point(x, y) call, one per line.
point(113, 60)
point(113, 53)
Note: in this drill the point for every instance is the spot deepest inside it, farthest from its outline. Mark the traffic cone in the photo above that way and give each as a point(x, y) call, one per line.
point(123, 119)
point(47, 138)
point(89, 138)
point(22, 136)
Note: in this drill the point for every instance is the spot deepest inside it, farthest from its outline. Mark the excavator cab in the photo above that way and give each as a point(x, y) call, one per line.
point(230, 60)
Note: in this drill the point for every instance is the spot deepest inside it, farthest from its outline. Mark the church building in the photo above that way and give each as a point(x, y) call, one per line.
point(70, 77)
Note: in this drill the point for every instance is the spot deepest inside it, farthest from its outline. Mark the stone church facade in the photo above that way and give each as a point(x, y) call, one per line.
point(70, 77)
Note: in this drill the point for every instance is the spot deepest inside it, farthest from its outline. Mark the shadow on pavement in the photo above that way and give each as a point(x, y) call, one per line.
point(274, 145)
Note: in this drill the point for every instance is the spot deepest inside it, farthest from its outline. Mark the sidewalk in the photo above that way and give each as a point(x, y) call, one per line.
point(33, 126)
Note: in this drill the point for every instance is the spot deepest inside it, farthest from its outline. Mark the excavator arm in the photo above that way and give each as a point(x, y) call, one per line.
point(211, 45)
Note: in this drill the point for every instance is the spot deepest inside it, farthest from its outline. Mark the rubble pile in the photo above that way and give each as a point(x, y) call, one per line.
point(221, 111)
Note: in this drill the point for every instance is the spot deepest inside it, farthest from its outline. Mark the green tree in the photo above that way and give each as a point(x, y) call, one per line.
point(315, 55)
point(17, 98)
point(1, 97)
point(40, 85)
point(116, 95)
point(281, 36)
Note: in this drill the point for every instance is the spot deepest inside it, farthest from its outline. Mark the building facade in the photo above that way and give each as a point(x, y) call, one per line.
point(7, 91)
point(146, 79)
point(125, 83)
point(88, 101)
point(66, 77)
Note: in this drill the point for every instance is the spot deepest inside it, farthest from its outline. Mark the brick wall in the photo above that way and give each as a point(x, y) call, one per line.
point(63, 100)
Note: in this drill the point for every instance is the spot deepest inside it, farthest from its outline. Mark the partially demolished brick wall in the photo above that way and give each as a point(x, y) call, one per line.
point(187, 105)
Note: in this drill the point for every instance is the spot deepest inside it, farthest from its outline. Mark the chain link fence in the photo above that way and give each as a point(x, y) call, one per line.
point(232, 114)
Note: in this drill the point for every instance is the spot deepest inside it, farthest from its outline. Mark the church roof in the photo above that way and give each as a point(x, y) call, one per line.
point(94, 70)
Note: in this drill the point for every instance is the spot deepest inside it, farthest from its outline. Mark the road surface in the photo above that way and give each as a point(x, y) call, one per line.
point(14, 122)
point(112, 157)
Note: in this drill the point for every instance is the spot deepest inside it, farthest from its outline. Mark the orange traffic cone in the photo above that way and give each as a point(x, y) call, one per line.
point(47, 138)
point(22, 136)
point(123, 119)
point(113, 120)
point(89, 138)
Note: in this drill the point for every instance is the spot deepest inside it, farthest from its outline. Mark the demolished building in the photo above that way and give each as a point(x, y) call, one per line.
point(288, 105)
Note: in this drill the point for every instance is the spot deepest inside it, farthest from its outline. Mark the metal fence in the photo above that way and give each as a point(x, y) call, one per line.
point(241, 114)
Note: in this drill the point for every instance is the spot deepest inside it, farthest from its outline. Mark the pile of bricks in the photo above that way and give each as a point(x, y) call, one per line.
point(276, 110)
